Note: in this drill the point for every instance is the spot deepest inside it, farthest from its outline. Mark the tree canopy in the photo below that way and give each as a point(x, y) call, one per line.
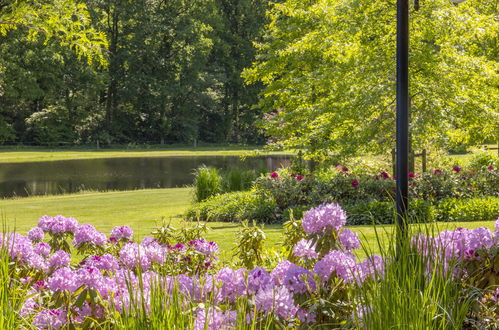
point(328, 67)
point(66, 20)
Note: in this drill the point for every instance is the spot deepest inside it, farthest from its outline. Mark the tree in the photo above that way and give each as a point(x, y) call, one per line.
point(65, 20)
point(328, 67)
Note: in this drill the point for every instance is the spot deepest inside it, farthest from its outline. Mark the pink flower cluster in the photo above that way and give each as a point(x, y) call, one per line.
point(323, 217)
point(456, 246)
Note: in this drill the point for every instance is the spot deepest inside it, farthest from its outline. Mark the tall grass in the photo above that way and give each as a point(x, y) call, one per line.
point(415, 292)
point(207, 182)
point(238, 179)
point(12, 294)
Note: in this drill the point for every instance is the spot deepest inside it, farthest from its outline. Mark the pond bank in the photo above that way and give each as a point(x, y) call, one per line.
point(41, 154)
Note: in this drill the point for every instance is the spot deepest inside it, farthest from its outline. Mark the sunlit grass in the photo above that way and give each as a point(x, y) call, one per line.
point(143, 210)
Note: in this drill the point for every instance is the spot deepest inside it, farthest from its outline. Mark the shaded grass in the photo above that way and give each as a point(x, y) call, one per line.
point(143, 210)
point(33, 154)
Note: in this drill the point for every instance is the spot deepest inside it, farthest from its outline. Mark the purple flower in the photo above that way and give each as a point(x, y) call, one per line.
point(36, 261)
point(305, 248)
point(87, 233)
point(298, 279)
point(35, 234)
point(123, 232)
point(63, 279)
point(233, 283)
point(318, 219)
point(490, 168)
point(456, 169)
point(280, 271)
point(277, 300)
point(57, 224)
point(132, 255)
point(299, 177)
point(355, 183)
point(437, 172)
point(205, 247)
point(338, 262)
point(105, 262)
point(18, 246)
point(349, 239)
point(274, 175)
point(214, 319)
point(42, 249)
point(258, 278)
point(50, 319)
point(59, 259)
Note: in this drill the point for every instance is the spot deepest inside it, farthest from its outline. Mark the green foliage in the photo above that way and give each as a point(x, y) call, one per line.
point(287, 189)
point(172, 74)
point(293, 232)
point(328, 68)
point(249, 245)
point(67, 21)
point(480, 160)
point(207, 182)
point(234, 207)
point(166, 234)
point(474, 209)
point(376, 212)
point(49, 126)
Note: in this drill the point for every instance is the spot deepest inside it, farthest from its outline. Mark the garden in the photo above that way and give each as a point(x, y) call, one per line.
point(250, 164)
point(67, 274)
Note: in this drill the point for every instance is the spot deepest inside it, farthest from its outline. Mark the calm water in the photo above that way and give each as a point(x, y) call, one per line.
point(58, 177)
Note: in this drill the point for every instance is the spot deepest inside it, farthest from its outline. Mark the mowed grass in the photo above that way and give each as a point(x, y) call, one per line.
point(144, 210)
point(39, 154)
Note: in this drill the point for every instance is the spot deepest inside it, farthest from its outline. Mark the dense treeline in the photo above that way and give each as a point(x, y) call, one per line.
point(173, 74)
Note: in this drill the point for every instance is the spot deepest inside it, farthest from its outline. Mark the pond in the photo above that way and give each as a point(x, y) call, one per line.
point(68, 176)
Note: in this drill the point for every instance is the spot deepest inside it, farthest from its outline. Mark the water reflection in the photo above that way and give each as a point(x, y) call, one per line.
point(58, 177)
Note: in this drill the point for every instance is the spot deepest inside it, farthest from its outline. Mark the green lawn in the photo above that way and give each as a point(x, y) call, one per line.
point(36, 154)
point(144, 209)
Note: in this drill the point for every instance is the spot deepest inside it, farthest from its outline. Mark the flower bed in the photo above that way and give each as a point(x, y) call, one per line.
point(367, 197)
point(70, 274)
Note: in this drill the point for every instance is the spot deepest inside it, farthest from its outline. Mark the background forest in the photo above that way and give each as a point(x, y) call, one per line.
point(172, 74)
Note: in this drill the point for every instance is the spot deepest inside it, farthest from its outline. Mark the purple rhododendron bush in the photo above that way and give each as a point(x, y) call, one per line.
point(71, 275)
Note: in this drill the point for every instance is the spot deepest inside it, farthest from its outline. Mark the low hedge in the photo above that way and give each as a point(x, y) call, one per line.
point(248, 205)
point(473, 209)
point(369, 212)
point(234, 207)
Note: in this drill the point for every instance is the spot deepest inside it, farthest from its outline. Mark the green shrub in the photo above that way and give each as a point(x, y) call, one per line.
point(474, 209)
point(207, 182)
point(364, 213)
point(234, 207)
point(483, 159)
point(249, 245)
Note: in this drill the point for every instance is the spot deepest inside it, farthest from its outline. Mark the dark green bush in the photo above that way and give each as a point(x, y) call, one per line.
point(474, 209)
point(207, 182)
point(234, 207)
point(364, 213)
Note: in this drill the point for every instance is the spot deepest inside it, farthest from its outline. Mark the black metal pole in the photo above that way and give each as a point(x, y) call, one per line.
point(402, 113)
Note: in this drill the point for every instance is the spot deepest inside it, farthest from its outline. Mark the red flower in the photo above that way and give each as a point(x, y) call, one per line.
point(344, 169)
point(355, 183)
point(437, 172)
point(384, 175)
point(274, 175)
point(490, 168)
point(299, 177)
point(456, 169)
point(411, 175)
